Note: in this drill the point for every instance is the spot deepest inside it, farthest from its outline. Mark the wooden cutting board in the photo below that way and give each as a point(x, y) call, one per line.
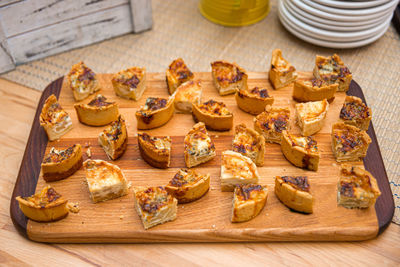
point(208, 219)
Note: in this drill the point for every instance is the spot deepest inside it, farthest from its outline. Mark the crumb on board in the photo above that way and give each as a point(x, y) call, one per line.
point(87, 145)
point(121, 217)
point(89, 152)
point(129, 185)
point(213, 226)
point(334, 164)
point(216, 136)
point(73, 207)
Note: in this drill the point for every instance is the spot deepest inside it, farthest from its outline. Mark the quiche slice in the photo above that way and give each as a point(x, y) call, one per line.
point(154, 205)
point(130, 83)
point(300, 151)
point(177, 73)
point(332, 70)
point(60, 164)
point(228, 77)
point(357, 188)
point(155, 151)
point(355, 112)
point(349, 143)
point(188, 185)
point(311, 116)
point(155, 113)
point(54, 119)
point(198, 146)
point(105, 180)
point(249, 143)
point(282, 73)
point(314, 89)
point(294, 192)
point(114, 139)
point(237, 169)
point(271, 123)
point(83, 81)
point(187, 95)
point(253, 101)
point(45, 206)
point(214, 114)
point(248, 201)
point(97, 112)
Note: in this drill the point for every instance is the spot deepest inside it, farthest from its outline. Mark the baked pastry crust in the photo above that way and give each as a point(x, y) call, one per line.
point(237, 169)
point(249, 143)
point(130, 83)
point(60, 164)
point(154, 205)
point(199, 147)
point(188, 185)
point(311, 116)
point(105, 180)
point(46, 206)
point(228, 77)
point(214, 114)
point(83, 81)
point(253, 101)
point(114, 139)
point(271, 123)
point(357, 188)
point(155, 113)
point(294, 192)
point(355, 112)
point(97, 112)
point(282, 73)
point(248, 201)
point(55, 121)
point(187, 95)
point(314, 89)
point(176, 74)
point(332, 70)
point(155, 151)
point(300, 151)
point(348, 142)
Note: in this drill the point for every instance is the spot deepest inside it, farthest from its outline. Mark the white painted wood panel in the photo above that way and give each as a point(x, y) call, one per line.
point(141, 15)
point(6, 60)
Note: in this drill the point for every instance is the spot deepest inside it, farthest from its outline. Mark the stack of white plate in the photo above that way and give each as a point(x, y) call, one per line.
point(337, 24)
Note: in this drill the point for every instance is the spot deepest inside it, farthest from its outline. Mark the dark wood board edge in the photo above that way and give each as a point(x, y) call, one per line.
point(396, 18)
point(31, 161)
point(35, 148)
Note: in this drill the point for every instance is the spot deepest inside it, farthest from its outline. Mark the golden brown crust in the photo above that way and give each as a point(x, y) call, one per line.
point(155, 113)
point(215, 115)
point(311, 116)
point(272, 122)
point(82, 80)
point(176, 74)
point(187, 95)
point(228, 77)
point(282, 73)
point(130, 83)
point(155, 151)
point(97, 112)
point(114, 139)
point(198, 146)
point(294, 192)
point(313, 89)
point(253, 101)
point(248, 201)
point(355, 112)
point(249, 143)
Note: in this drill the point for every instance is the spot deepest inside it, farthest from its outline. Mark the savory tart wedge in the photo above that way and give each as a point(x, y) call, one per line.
point(105, 180)
point(332, 70)
point(83, 81)
point(214, 114)
point(154, 205)
point(228, 77)
point(198, 146)
point(300, 151)
point(154, 150)
point(355, 112)
point(97, 112)
point(253, 101)
point(187, 95)
point(177, 73)
point(188, 185)
point(249, 143)
point(311, 116)
point(357, 188)
point(349, 143)
point(45, 206)
point(130, 83)
point(114, 139)
point(60, 164)
point(55, 121)
point(248, 201)
point(155, 113)
point(294, 192)
point(314, 89)
point(237, 169)
point(282, 73)
point(271, 123)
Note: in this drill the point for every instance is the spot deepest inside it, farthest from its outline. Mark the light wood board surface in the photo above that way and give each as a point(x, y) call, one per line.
point(16, 113)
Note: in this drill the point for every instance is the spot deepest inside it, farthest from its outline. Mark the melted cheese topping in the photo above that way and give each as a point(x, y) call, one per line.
point(236, 165)
point(358, 183)
point(226, 73)
point(281, 64)
point(245, 143)
point(100, 175)
point(307, 142)
point(249, 192)
point(214, 108)
point(332, 68)
point(354, 110)
point(189, 91)
point(310, 111)
point(157, 143)
point(198, 142)
point(47, 196)
point(152, 200)
point(179, 71)
point(185, 178)
point(56, 156)
point(273, 120)
point(81, 76)
point(130, 77)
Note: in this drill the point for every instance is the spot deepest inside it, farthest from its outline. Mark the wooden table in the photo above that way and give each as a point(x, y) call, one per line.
point(17, 108)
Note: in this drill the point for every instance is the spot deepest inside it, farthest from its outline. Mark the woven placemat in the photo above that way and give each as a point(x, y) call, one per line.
point(180, 31)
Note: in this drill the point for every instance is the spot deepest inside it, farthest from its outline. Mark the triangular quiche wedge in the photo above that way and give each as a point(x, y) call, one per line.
point(82, 81)
point(198, 146)
point(156, 151)
point(130, 83)
point(114, 138)
point(248, 201)
point(228, 77)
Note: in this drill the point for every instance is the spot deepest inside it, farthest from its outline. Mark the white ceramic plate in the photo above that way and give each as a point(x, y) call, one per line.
point(352, 4)
point(352, 12)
